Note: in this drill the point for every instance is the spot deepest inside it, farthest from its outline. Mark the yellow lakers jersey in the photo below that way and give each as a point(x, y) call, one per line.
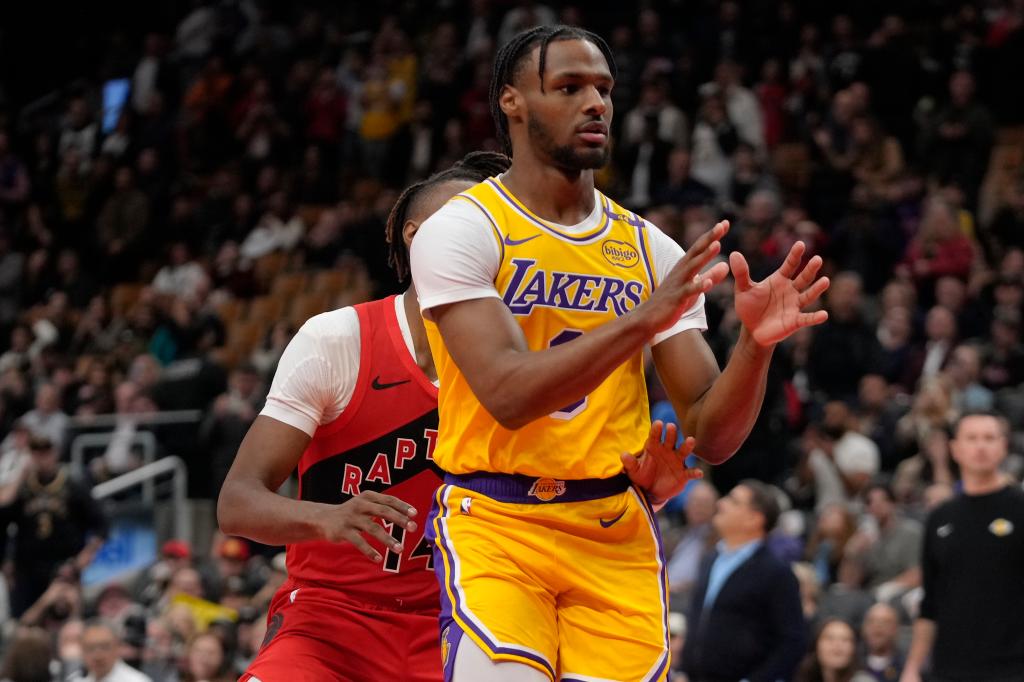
point(558, 285)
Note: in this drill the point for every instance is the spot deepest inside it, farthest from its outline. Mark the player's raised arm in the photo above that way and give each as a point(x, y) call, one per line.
point(719, 410)
point(517, 385)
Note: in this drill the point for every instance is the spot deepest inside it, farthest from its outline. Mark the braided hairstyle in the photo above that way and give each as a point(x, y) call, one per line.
point(510, 58)
point(474, 167)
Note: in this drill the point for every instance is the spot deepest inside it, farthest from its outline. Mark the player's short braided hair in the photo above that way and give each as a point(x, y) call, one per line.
point(510, 58)
point(474, 167)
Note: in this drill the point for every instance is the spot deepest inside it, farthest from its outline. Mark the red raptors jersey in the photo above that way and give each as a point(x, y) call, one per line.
point(382, 441)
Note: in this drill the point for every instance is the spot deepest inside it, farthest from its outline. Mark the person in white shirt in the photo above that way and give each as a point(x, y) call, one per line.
point(100, 649)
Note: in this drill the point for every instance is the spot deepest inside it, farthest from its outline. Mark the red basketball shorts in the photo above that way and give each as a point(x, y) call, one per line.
point(317, 634)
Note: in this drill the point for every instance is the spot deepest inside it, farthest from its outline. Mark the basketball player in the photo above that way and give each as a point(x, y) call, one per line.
point(540, 294)
point(353, 406)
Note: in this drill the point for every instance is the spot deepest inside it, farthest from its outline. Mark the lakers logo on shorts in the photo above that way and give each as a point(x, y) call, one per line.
point(547, 489)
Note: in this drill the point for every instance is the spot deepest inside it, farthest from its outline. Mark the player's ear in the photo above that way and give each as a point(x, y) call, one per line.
point(409, 231)
point(511, 102)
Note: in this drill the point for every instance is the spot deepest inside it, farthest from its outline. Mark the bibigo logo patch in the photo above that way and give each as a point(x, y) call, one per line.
point(620, 254)
point(547, 489)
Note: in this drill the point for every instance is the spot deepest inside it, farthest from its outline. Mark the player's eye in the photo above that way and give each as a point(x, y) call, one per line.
point(569, 89)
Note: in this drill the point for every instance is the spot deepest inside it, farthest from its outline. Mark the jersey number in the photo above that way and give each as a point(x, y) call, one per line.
point(573, 409)
point(393, 560)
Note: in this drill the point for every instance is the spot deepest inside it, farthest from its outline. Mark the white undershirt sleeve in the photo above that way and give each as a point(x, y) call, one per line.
point(317, 374)
point(667, 253)
point(455, 256)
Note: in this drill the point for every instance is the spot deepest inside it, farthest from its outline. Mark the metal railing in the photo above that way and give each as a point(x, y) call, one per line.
point(145, 475)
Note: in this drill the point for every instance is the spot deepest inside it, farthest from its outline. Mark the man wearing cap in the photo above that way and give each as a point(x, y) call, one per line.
point(57, 521)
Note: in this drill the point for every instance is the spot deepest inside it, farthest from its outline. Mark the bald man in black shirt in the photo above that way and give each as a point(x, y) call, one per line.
point(972, 615)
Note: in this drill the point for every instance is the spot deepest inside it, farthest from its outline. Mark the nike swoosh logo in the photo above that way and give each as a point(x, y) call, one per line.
point(380, 387)
point(609, 524)
point(516, 242)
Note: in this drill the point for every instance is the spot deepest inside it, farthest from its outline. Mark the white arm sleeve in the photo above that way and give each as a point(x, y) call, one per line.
point(455, 256)
point(317, 374)
point(666, 254)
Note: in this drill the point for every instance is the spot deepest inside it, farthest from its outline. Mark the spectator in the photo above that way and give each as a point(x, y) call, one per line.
point(876, 416)
point(740, 103)
point(183, 276)
point(845, 599)
point(892, 557)
point(69, 648)
point(121, 225)
point(78, 132)
point(101, 654)
point(970, 617)
point(714, 140)
point(745, 612)
point(14, 179)
point(28, 657)
point(697, 538)
point(927, 361)
point(844, 348)
point(229, 420)
point(207, 661)
point(834, 656)
point(645, 165)
point(931, 410)
point(680, 189)
point(159, 660)
point(939, 249)
point(57, 521)
point(877, 157)
point(963, 369)
point(826, 547)
point(280, 229)
point(841, 461)
point(47, 419)
point(931, 465)
point(958, 139)
point(1003, 366)
point(880, 633)
point(657, 110)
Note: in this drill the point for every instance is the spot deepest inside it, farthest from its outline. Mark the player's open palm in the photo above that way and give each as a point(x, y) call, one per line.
point(660, 470)
point(685, 283)
point(773, 308)
point(356, 519)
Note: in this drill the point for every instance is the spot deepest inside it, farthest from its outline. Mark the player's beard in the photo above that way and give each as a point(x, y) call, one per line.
point(566, 156)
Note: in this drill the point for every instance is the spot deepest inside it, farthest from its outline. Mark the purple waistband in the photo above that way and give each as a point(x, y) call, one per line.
point(520, 489)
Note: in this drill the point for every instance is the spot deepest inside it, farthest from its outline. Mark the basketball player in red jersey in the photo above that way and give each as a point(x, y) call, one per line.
point(353, 407)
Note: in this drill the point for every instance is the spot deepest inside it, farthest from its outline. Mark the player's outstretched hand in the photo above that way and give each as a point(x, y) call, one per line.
point(352, 520)
point(685, 282)
point(660, 470)
point(771, 309)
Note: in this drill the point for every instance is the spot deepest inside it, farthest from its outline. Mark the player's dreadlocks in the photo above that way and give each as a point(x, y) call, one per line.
point(475, 167)
point(510, 57)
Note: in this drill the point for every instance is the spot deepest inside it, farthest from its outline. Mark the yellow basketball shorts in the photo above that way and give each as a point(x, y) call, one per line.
point(567, 577)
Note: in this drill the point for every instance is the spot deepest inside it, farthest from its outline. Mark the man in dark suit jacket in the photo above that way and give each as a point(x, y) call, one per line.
point(745, 620)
